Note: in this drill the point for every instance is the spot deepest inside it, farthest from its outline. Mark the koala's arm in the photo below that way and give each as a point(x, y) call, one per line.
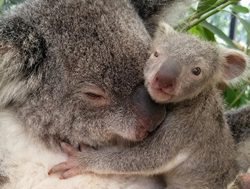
point(155, 155)
point(239, 122)
point(147, 158)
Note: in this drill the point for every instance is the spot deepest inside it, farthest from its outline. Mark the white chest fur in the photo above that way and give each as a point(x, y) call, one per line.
point(26, 162)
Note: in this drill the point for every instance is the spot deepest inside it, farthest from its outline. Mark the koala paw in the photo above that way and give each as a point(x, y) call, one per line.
point(72, 166)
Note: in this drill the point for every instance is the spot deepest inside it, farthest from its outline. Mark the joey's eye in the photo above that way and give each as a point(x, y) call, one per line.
point(156, 54)
point(196, 71)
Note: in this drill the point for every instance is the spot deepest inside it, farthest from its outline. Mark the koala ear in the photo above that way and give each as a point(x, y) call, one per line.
point(19, 36)
point(163, 32)
point(234, 63)
point(166, 28)
point(22, 53)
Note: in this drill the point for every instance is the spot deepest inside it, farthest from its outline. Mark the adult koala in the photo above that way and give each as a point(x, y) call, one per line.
point(71, 70)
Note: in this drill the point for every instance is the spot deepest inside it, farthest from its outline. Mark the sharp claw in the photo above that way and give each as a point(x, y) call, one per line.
point(70, 173)
point(50, 172)
point(58, 168)
point(68, 149)
point(68, 168)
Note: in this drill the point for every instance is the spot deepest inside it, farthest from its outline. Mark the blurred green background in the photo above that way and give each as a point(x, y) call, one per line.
point(226, 22)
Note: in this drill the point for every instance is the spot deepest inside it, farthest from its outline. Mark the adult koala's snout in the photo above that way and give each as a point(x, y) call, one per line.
point(149, 114)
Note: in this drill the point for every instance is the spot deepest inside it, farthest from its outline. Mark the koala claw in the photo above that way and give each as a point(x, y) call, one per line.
point(71, 173)
point(69, 168)
point(68, 149)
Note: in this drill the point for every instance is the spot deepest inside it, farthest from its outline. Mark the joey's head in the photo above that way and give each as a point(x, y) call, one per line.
point(181, 66)
point(73, 71)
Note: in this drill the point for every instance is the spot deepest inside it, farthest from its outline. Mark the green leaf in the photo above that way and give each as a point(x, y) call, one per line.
point(240, 9)
point(1, 3)
point(235, 97)
point(219, 33)
point(205, 4)
point(202, 33)
point(230, 95)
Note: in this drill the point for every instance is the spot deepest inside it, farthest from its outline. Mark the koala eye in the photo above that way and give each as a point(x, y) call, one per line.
point(156, 54)
point(93, 96)
point(196, 71)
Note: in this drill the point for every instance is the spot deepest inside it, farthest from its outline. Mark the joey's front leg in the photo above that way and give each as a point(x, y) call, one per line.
point(154, 155)
point(78, 162)
point(89, 160)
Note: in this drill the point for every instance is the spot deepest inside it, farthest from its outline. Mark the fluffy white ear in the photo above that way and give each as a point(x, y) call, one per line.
point(234, 63)
point(163, 32)
point(166, 29)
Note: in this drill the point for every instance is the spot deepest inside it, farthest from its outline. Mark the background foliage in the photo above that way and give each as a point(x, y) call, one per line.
point(226, 22)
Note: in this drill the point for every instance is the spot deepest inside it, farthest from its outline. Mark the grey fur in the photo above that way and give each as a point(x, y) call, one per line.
point(3, 180)
point(53, 53)
point(149, 10)
point(194, 147)
point(154, 11)
point(57, 55)
point(238, 119)
point(71, 58)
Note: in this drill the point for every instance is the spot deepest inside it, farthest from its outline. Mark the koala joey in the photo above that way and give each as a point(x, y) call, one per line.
point(193, 148)
point(72, 70)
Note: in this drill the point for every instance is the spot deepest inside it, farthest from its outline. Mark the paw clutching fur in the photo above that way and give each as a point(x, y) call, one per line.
point(71, 167)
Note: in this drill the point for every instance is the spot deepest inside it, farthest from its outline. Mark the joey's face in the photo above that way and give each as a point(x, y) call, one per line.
point(180, 68)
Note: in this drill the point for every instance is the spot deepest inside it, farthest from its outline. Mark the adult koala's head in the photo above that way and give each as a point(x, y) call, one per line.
point(72, 70)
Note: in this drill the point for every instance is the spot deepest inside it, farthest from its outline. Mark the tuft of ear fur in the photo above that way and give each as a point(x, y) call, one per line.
point(175, 11)
point(233, 63)
point(166, 29)
point(22, 53)
point(163, 32)
point(154, 11)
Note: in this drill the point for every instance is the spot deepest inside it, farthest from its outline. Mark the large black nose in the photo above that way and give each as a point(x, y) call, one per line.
point(166, 77)
point(149, 114)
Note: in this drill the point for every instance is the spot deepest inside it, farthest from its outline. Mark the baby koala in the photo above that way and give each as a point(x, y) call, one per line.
point(193, 148)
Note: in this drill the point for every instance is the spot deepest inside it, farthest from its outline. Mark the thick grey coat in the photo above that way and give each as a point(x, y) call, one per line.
point(70, 71)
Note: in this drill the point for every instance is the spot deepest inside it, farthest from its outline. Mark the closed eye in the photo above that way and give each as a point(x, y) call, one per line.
point(93, 96)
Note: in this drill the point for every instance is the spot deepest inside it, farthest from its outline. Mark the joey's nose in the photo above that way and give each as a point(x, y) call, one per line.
point(164, 82)
point(165, 78)
point(149, 114)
